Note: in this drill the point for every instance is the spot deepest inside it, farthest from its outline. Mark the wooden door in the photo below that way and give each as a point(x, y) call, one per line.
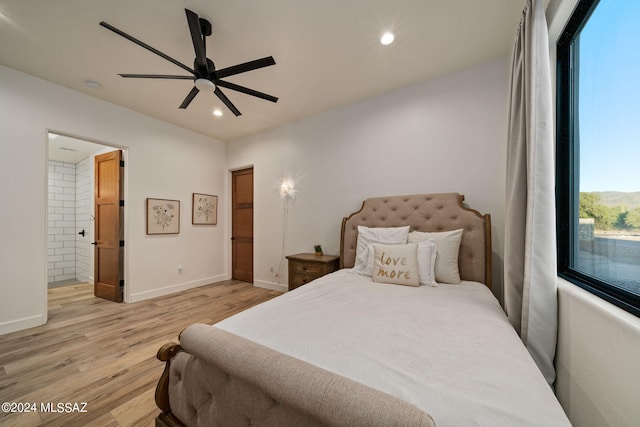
point(109, 226)
point(242, 225)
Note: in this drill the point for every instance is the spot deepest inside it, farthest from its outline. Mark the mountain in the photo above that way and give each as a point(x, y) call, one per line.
point(619, 198)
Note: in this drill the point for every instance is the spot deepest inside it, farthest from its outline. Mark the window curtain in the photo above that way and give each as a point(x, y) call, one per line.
point(530, 296)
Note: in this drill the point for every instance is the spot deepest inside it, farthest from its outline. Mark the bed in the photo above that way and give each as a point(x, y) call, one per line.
point(349, 349)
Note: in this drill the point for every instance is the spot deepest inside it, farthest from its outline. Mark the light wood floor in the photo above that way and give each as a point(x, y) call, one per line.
point(103, 353)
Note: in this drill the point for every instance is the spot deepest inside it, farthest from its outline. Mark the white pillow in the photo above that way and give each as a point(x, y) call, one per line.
point(396, 264)
point(448, 247)
point(370, 235)
point(427, 252)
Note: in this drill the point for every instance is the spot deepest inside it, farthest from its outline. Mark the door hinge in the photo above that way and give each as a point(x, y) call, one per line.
point(121, 203)
point(121, 163)
point(122, 243)
point(122, 283)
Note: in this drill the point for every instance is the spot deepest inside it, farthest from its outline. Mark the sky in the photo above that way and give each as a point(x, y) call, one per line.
point(609, 98)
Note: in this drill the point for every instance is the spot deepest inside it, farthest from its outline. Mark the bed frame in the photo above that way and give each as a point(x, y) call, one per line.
point(426, 212)
point(204, 380)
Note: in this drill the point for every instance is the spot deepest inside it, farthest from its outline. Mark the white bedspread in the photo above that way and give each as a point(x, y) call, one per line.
point(449, 350)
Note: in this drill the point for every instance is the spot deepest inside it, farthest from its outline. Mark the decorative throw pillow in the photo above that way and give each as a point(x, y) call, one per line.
point(448, 247)
point(427, 252)
point(369, 235)
point(396, 264)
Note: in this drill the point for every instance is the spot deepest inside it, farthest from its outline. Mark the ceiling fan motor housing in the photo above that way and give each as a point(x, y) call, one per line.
point(204, 72)
point(205, 27)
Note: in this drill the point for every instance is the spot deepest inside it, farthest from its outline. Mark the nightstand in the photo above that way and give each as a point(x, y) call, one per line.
point(304, 268)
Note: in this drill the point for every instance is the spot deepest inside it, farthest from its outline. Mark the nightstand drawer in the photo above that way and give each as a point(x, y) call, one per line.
point(306, 268)
point(300, 280)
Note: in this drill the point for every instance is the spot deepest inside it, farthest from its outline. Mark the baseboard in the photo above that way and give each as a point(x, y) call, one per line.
point(167, 290)
point(20, 324)
point(270, 285)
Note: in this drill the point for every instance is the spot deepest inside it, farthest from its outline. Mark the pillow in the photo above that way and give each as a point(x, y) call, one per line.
point(427, 251)
point(367, 236)
point(396, 264)
point(448, 246)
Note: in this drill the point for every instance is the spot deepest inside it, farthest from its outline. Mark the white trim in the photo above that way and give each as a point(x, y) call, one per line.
point(24, 323)
point(270, 285)
point(167, 290)
point(44, 314)
point(125, 157)
point(126, 297)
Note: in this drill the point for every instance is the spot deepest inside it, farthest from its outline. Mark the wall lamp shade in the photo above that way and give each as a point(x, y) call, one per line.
point(287, 188)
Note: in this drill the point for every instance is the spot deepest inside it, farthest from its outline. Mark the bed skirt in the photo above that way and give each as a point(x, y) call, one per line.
point(217, 378)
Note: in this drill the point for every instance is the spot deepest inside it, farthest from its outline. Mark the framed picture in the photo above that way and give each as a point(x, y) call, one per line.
point(163, 216)
point(205, 209)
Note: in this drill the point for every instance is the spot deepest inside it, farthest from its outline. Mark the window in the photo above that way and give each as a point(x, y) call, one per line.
point(598, 150)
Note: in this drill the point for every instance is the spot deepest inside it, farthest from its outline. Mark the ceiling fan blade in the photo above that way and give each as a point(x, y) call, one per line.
point(226, 102)
point(197, 39)
point(146, 46)
point(247, 66)
point(189, 97)
point(246, 90)
point(156, 76)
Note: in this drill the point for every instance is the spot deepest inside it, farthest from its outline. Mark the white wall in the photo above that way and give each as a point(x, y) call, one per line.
point(598, 380)
point(163, 161)
point(443, 135)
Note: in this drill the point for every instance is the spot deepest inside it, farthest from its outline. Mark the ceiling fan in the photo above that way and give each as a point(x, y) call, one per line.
point(204, 73)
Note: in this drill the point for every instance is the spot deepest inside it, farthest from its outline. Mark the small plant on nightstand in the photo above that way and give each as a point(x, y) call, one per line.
point(318, 249)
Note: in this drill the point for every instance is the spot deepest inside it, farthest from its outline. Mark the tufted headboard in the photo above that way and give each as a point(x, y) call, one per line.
point(426, 212)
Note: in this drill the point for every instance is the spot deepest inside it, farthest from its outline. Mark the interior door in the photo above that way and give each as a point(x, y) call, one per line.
point(242, 225)
point(109, 226)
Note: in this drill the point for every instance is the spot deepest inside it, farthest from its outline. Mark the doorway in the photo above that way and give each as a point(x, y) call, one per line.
point(70, 209)
point(242, 225)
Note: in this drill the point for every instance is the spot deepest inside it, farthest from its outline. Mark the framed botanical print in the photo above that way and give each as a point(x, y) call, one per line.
point(163, 216)
point(204, 209)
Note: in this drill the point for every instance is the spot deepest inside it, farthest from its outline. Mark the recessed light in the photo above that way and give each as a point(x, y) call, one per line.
point(92, 84)
point(387, 38)
point(217, 113)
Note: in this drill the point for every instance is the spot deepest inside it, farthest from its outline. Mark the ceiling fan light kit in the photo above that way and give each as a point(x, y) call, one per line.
point(205, 85)
point(204, 74)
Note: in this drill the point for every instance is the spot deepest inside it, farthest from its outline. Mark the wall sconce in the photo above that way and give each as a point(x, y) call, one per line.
point(287, 188)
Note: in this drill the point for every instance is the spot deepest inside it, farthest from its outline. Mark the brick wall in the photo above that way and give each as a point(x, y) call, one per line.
point(61, 222)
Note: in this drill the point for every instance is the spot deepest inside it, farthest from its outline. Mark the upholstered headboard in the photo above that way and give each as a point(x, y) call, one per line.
point(426, 212)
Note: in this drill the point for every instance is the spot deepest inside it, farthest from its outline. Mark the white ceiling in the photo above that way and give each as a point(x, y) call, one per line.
point(327, 51)
point(67, 149)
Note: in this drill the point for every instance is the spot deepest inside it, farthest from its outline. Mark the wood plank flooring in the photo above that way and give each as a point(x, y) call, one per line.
point(104, 353)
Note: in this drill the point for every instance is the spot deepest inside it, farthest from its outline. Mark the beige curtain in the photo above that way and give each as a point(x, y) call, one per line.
point(530, 246)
